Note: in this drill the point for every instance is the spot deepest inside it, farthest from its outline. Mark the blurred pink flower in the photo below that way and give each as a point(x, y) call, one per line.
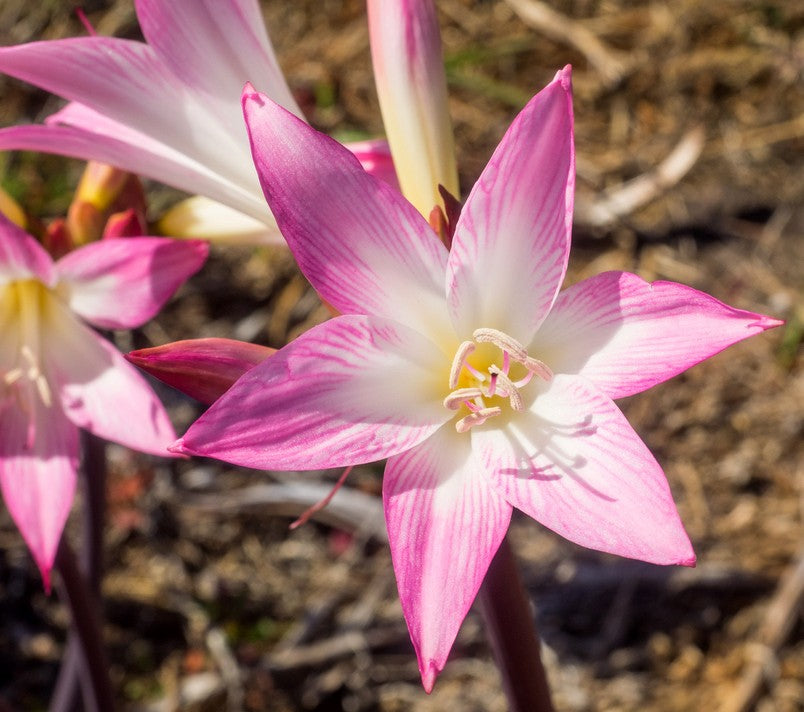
point(169, 109)
point(496, 393)
point(58, 375)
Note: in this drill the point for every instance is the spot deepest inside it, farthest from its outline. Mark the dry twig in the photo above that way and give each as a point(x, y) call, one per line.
point(626, 198)
point(349, 509)
point(783, 612)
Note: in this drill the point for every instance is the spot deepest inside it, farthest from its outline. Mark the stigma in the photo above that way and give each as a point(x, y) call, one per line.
point(482, 381)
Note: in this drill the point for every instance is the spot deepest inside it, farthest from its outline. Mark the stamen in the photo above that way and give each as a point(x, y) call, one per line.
point(464, 350)
point(477, 418)
point(496, 381)
point(501, 341)
point(514, 396)
point(515, 349)
point(36, 375)
point(44, 390)
point(12, 376)
point(459, 396)
point(540, 368)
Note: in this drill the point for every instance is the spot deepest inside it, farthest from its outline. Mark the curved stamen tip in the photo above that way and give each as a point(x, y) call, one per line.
point(458, 397)
point(512, 347)
point(540, 368)
point(477, 418)
point(464, 350)
point(12, 376)
point(502, 341)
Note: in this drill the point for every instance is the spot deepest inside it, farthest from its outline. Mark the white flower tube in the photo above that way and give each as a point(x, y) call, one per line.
point(412, 87)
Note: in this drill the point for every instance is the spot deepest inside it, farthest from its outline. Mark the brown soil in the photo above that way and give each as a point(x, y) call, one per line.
point(204, 581)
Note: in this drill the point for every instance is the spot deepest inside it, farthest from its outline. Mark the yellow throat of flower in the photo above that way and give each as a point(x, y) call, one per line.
point(24, 308)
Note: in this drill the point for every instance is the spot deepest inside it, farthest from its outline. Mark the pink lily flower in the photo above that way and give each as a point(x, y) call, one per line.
point(485, 386)
point(58, 375)
point(169, 109)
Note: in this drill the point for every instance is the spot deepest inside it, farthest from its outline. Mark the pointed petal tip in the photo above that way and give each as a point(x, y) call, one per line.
point(766, 322)
point(46, 582)
point(429, 672)
point(686, 555)
point(564, 76)
point(250, 94)
point(45, 561)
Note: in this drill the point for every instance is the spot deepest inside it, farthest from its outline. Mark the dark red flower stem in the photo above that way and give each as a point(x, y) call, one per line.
point(94, 450)
point(73, 672)
point(511, 631)
point(84, 605)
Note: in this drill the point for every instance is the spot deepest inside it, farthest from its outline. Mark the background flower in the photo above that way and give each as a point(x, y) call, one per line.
point(168, 109)
point(58, 375)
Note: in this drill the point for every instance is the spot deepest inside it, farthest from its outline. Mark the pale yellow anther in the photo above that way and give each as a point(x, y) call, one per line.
point(35, 375)
point(466, 348)
point(502, 341)
point(516, 351)
point(478, 417)
point(458, 397)
point(540, 368)
point(12, 376)
point(44, 390)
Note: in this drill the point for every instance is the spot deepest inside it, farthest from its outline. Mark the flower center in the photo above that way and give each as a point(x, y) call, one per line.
point(23, 380)
point(500, 371)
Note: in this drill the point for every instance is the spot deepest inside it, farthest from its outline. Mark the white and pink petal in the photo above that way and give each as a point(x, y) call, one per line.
point(38, 463)
point(206, 219)
point(626, 335)
point(99, 390)
point(215, 47)
point(445, 523)
point(511, 244)
point(132, 151)
point(352, 390)
point(22, 257)
point(574, 464)
point(375, 157)
point(362, 246)
point(121, 284)
point(122, 79)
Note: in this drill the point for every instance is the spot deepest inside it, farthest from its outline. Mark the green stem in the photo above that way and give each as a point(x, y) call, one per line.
point(512, 634)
